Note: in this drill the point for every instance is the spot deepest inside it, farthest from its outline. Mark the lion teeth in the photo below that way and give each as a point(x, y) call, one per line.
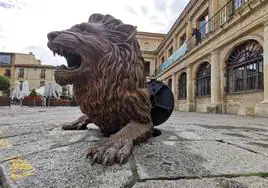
point(63, 67)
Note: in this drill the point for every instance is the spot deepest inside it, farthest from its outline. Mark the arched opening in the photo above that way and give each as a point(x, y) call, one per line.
point(182, 86)
point(203, 80)
point(244, 67)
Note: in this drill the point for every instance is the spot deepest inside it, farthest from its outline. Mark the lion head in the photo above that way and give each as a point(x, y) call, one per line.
point(103, 47)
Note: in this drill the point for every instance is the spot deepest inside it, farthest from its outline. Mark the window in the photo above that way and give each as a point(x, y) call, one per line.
point(21, 72)
point(7, 73)
point(238, 3)
point(147, 68)
point(202, 24)
point(162, 60)
point(203, 79)
point(183, 86)
point(170, 83)
point(244, 67)
point(182, 39)
point(5, 59)
point(42, 83)
point(170, 51)
point(43, 73)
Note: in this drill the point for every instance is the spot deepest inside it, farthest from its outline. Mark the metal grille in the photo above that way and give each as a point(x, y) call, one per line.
point(182, 86)
point(203, 80)
point(245, 67)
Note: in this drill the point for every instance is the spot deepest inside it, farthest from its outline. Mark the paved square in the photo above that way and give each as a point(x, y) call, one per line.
point(194, 150)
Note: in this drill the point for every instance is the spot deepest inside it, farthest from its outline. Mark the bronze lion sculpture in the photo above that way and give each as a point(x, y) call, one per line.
point(105, 66)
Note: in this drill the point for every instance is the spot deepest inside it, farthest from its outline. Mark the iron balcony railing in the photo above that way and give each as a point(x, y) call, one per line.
point(224, 15)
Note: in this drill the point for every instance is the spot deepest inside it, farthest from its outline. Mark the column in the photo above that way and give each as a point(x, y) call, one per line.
point(190, 103)
point(175, 43)
point(154, 66)
point(189, 30)
point(262, 108)
point(214, 7)
point(174, 83)
point(12, 70)
point(166, 53)
point(215, 78)
point(265, 62)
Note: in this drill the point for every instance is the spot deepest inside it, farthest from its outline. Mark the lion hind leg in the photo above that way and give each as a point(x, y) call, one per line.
point(79, 124)
point(118, 146)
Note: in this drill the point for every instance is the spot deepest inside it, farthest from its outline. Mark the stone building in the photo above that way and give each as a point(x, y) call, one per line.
point(215, 57)
point(149, 43)
point(20, 67)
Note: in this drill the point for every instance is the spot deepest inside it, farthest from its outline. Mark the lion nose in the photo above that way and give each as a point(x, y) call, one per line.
point(52, 35)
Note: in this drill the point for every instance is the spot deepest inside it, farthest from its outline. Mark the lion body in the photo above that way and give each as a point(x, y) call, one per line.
point(105, 66)
point(112, 110)
point(117, 91)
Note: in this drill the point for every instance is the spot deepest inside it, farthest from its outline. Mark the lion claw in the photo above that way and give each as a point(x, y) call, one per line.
point(105, 161)
point(121, 161)
point(94, 159)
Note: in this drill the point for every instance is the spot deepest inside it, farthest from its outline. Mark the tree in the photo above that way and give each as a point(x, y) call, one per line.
point(4, 84)
point(33, 93)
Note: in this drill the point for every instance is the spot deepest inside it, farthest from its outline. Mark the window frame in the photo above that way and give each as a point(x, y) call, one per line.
point(203, 80)
point(244, 68)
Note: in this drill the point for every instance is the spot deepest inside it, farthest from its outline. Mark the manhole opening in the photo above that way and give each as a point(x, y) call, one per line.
point(156, 132)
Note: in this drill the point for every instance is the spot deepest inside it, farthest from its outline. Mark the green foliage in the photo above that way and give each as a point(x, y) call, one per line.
point(33, 93)
point(4, 84)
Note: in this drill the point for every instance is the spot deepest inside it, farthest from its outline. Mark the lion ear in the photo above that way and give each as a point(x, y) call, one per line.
point(95, 18)
point(128, 29)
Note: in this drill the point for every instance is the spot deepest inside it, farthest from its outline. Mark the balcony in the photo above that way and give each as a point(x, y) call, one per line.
point(223, 16)
point(173, 58)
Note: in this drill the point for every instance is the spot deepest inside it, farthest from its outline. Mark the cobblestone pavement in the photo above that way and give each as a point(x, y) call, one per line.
point(194, 150)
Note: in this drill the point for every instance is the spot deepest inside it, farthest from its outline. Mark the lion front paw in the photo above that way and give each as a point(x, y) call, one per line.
point(109, 151)
point(74, 126)
point(79, 124)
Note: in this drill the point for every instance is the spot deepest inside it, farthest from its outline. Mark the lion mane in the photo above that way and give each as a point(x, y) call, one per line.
point(116, 90)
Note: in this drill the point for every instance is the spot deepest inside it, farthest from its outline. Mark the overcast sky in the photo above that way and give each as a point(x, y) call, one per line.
point(24, 24)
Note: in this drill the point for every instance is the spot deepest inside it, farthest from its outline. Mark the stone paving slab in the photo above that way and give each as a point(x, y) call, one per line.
point(223, 158)
point(193, 150)
point(241, 182)
point(174, 159)
point(258, 146)
point(37, 142)
point(64, 167)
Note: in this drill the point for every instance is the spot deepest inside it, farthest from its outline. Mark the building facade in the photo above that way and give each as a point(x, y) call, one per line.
point(19, 67)
point(149, 42)
point(215, 57)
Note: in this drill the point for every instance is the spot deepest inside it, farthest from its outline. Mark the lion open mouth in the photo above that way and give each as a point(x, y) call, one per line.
point(73, 59)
